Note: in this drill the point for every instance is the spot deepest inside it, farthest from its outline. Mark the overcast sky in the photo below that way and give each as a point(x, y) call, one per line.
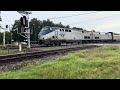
point(105, 21)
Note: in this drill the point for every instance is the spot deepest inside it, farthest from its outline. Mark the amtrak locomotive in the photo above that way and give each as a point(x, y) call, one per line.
point(57, 36)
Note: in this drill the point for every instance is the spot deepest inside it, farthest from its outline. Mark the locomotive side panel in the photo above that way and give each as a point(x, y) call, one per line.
point(96, 36)
point(69, 34)
point(106, 36)
point(61, 35)
point(86, 35)
point(116, 37)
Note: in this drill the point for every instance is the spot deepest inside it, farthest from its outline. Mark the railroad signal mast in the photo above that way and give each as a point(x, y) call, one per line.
point(24, 21)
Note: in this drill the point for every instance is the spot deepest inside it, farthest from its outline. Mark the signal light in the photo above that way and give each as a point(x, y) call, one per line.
point(6, 26)
point(21, 21)
point(24, 21)
point(0, 19)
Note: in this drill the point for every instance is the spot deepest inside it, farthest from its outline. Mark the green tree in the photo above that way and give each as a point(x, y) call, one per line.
point(1, 38)
point(35, 27)
point(78, 28)
point(8, 37)
point(67, 26)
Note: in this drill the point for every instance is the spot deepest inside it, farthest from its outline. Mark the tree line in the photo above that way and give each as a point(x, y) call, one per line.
point(7, 38)
point(35, 26)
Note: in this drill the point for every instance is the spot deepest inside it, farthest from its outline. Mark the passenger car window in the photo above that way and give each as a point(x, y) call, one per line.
point(66, 30)
point(69, 30)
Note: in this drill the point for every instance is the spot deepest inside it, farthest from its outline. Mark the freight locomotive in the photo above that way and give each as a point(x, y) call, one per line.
point(57, 36)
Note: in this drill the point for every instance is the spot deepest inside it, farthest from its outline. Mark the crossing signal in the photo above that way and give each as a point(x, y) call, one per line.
point(0, 19)
point(21, 21)
point(24, 21)
point(6, 26)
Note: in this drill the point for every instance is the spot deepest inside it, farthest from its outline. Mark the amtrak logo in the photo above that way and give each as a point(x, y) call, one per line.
point(62, 34)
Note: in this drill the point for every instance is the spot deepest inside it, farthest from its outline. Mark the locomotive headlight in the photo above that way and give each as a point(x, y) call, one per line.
point(40, 37)
point(53, 37)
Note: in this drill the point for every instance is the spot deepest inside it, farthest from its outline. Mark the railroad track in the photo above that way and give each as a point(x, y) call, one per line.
point(37, 46)
point(41, 54)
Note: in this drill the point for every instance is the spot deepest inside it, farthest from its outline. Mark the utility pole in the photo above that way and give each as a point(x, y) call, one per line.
point(4, 38)
point(4, 35)
point(3, 31)
point(10, 33)
point(28, 31)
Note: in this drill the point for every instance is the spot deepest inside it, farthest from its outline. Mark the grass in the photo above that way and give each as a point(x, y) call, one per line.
point(3, 52)
point(99, 63)
point(10, 52)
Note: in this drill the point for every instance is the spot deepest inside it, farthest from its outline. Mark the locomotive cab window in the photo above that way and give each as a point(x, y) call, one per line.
point(46, 30)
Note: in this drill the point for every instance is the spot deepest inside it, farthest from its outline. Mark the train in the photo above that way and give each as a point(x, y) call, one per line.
point(57, 36)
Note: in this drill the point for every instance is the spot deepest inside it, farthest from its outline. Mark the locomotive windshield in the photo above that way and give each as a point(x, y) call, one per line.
point(46, 30)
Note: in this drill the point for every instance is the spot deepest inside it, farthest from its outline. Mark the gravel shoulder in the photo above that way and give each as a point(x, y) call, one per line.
point(18, 65)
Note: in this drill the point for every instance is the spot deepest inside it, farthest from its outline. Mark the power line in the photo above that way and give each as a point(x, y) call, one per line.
point(75, 15)
point(94, 19)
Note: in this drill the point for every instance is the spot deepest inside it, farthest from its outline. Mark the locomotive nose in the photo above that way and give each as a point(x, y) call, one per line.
point(39, 36)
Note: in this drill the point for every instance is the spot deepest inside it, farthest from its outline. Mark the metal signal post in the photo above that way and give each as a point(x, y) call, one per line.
point(26, 27)
point(28, 32)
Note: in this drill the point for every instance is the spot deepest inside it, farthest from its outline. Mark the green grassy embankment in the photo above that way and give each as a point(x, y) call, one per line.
point(102, 62)
point(3, 52)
